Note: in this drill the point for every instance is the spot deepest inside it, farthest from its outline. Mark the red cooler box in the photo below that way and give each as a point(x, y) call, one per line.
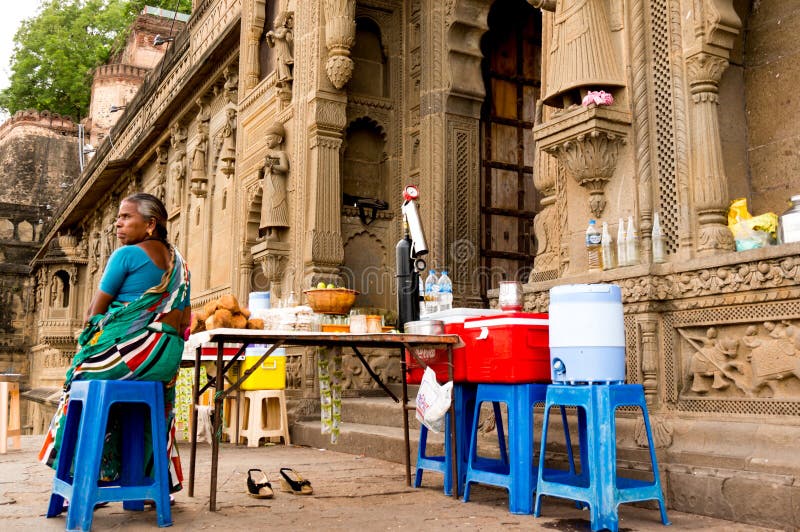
point(512, 347)
point(437, 359)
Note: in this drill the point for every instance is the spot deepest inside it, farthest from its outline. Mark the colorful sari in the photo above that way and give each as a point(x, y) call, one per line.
point(129, 342)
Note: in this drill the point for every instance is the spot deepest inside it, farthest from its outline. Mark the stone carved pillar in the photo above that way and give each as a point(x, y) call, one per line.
point(710, 181)
point(649, 339)
point(716, 26)
point(340, 35)
point(254, 25)
point(324, 250)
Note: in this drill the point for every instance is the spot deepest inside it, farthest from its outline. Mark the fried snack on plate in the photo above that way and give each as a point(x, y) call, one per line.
point(238, 321)
point(255, 323)
point(229, 302)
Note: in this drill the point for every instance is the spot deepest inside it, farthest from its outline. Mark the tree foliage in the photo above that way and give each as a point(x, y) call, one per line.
point(56, 51)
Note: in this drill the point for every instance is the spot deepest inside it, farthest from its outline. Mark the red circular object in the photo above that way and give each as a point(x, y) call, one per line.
point(411, 192)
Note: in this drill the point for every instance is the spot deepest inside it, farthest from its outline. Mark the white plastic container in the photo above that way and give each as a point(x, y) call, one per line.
point(258, 301)
point(587, 334)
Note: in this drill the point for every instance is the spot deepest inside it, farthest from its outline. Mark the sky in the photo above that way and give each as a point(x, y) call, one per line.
point(13, 14)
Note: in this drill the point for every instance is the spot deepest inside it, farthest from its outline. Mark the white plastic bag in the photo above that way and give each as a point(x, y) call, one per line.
point(433, 401)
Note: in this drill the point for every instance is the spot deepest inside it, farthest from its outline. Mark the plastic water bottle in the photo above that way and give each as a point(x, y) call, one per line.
point(632, 243)
point(445, 292)
point(658, 240)
point(432, 292)
point(622, 247)
point(423, 309)
point(607, 248)
point(593, 241)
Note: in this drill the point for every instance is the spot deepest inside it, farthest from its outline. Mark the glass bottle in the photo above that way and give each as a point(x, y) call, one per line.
point(622, 248)
point(658, 240)
point(607, 248)
point(632, 243)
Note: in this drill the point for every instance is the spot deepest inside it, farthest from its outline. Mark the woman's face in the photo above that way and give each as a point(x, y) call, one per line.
point(132, 227)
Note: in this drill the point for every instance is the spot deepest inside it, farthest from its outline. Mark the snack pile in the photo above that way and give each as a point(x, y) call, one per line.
point(224, 312)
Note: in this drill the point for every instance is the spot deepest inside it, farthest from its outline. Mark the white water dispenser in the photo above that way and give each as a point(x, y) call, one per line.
point(587, 334)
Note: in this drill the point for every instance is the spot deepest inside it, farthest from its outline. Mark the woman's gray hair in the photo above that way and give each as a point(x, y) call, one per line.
point(150, 206)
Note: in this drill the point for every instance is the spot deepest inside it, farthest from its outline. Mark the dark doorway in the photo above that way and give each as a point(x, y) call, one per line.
point(511, 73)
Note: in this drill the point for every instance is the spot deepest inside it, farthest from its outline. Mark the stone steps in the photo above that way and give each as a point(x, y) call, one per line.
point(371, 426)
point(374, 427)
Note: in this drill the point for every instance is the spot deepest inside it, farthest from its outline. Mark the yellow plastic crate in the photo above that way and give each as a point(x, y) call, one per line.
point(271, 375)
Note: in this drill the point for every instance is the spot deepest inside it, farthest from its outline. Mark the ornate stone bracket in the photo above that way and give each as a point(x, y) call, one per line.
point(340, 35)
point(272, 256)
point(587, 141)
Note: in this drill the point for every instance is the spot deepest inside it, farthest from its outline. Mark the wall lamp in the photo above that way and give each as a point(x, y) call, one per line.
point(115, 108)
point(159, 40)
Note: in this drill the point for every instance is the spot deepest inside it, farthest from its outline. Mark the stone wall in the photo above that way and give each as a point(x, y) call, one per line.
point(38, 163)
point(38, 157)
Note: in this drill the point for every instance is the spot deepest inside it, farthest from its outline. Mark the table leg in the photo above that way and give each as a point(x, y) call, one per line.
point(453, 424)
point(193, 420)
point(407, 456)
point(219, 393)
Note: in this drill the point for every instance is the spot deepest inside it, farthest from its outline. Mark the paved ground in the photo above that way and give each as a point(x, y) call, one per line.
point(350, 493)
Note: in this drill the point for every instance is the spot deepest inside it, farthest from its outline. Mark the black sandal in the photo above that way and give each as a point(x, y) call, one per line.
point(296, 485)
point(258, 485)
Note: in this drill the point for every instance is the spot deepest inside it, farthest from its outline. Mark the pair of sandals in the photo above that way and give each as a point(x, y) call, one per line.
point(259, 486)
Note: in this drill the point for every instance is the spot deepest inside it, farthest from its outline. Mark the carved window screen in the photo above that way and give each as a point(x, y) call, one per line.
point(667, 202)
point(512, 77)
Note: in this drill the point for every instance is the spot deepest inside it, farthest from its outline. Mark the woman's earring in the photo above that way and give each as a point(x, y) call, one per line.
point(149, 233)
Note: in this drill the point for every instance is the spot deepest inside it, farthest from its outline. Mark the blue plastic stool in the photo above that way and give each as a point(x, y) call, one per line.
point(598, 484)
point(514, 470)
point(84, 433)
point(464, 397)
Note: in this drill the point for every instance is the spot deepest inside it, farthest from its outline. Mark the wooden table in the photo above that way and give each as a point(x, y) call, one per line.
point(246, 337)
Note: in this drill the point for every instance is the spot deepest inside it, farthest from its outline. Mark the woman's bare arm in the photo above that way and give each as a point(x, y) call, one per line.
point(99, 304)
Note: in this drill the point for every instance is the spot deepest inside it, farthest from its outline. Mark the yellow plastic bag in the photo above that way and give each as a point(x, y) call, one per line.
point(750, 232)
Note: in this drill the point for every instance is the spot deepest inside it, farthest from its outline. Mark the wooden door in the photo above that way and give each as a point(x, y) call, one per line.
point(511, 73)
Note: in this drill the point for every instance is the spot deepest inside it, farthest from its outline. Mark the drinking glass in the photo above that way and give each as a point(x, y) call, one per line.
point(510, 296)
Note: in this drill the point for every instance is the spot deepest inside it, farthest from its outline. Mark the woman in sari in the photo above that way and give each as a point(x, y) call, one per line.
point(134, 328)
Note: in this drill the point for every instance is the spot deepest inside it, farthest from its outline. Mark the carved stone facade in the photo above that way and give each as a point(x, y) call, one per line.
point(38, 163)
point(380, 93)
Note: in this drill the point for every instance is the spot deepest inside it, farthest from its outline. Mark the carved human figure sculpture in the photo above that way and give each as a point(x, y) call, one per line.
point(274, 207)
point(281, 37)
point(582, 57)
point(199, 155)
point(227, 153)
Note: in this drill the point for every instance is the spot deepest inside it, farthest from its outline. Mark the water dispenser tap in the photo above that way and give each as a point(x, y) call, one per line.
point(558, 367)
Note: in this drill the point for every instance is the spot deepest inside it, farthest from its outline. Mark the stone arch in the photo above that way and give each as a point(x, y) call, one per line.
point(25, 231)
point(6, 229)
point(371, 73)
point(59, 290)
point(364, 269)
point(365, 171)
